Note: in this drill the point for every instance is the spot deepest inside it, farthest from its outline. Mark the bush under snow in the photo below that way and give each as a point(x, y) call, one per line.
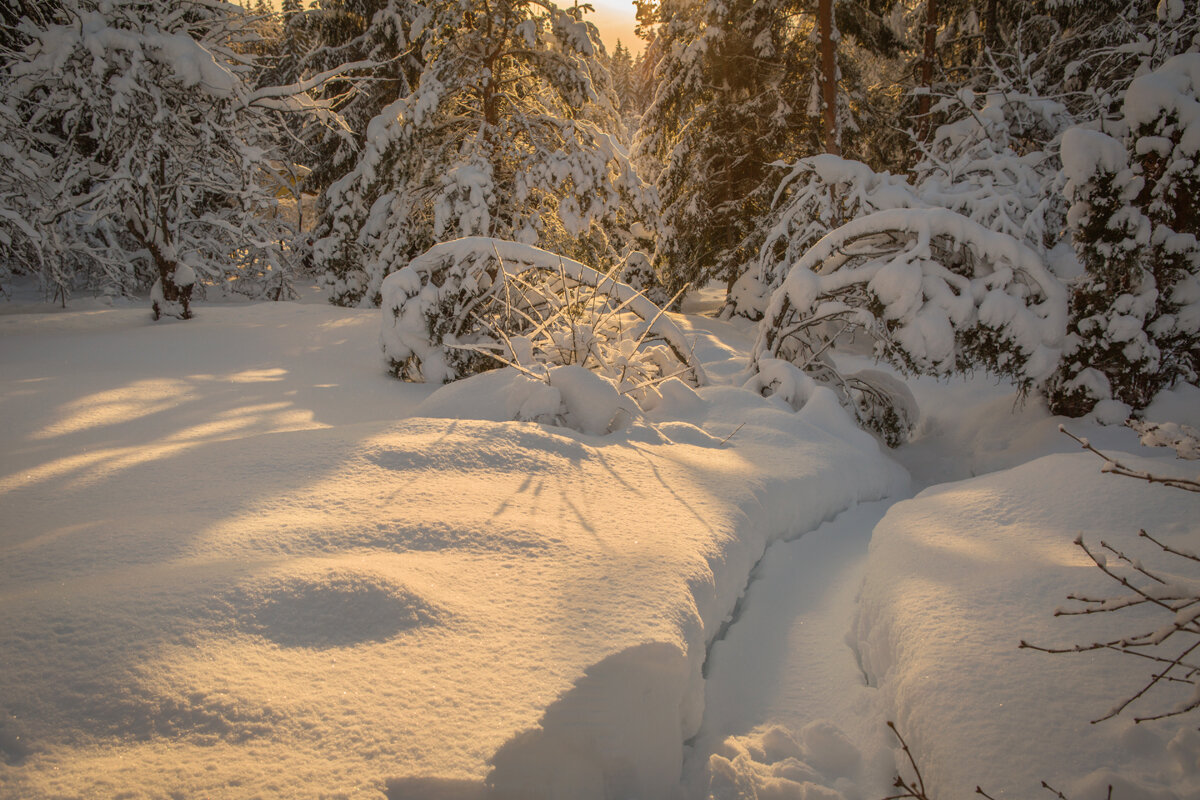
point(473, 304)
point(937, 293)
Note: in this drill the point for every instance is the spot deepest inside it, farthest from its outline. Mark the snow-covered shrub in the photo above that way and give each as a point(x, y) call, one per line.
point(472, 304)
point(818, 194)
point(937, 293)
point(506, 135)
point(1135, 314)
point(993, 163)
point(133, 144)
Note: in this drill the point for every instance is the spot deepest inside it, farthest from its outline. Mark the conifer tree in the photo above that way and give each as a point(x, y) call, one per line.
point(1135, 315)
point(739, 87)
point(507, 134)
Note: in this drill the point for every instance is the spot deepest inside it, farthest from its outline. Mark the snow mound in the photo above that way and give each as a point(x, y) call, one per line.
point(568, 396)
point(819, 763)
point(958, 576)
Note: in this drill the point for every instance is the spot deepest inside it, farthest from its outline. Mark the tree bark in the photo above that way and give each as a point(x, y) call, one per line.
point(828, 77)
point(928, 57)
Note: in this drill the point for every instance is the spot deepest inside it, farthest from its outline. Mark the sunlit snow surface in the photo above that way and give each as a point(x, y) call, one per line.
point(234, 565)
point(234, 562)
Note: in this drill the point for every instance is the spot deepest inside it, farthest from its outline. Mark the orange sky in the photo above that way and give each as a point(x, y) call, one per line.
point(615, 19)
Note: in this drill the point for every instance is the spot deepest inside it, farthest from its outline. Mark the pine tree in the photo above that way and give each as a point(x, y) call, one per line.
point(507, 135)
point(1135, 315)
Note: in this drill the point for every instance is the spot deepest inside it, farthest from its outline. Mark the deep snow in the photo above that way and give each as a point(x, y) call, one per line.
point(236, 559)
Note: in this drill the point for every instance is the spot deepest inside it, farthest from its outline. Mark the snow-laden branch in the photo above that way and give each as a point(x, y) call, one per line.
point(469, 295)
point(301, 87)
point(938, 292)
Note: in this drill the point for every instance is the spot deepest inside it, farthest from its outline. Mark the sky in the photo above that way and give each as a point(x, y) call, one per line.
point(615, 19)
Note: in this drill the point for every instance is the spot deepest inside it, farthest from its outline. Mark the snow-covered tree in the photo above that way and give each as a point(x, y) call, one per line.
point(937, 293)
point(1102, 45)
point(738, 88)
point(1135, 316)
point(817, 195)
point(625, 82)
point(729, 101)
point(386, 37)
point(995, 161)
point(506, 135)
point(133, 153)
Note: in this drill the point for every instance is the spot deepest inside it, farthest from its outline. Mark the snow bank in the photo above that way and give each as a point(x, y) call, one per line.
point(248, 569)
point(958, 576)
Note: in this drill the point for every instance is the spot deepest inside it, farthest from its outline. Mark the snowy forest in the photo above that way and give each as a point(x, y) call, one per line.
point(428, 399)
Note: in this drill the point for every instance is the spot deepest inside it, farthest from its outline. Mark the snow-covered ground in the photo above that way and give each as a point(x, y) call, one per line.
point(238, 560)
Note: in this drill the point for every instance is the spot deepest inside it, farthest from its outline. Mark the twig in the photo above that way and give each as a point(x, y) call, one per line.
point(1111, 465)
point(730, 436)
point(915, 791)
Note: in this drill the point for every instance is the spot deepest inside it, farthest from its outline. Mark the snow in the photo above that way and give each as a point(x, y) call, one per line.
point(238, 559)
point(1087, 153)
point(959, 575)
point(248, 567)
point(1169, 93)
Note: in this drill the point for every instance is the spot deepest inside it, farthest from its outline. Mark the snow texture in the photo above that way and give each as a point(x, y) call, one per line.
point(958, 576)
point(248, 571)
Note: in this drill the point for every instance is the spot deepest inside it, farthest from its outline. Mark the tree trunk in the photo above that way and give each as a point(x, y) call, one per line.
point(828, 77)
point(928, 57)
point(991, 29)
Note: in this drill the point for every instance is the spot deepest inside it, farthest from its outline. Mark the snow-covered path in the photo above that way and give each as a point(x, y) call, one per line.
point(795, 709)
point(786, 706)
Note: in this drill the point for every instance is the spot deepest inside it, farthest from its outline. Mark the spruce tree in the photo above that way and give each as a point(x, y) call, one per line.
point(506, 134)
point(1135, 314)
